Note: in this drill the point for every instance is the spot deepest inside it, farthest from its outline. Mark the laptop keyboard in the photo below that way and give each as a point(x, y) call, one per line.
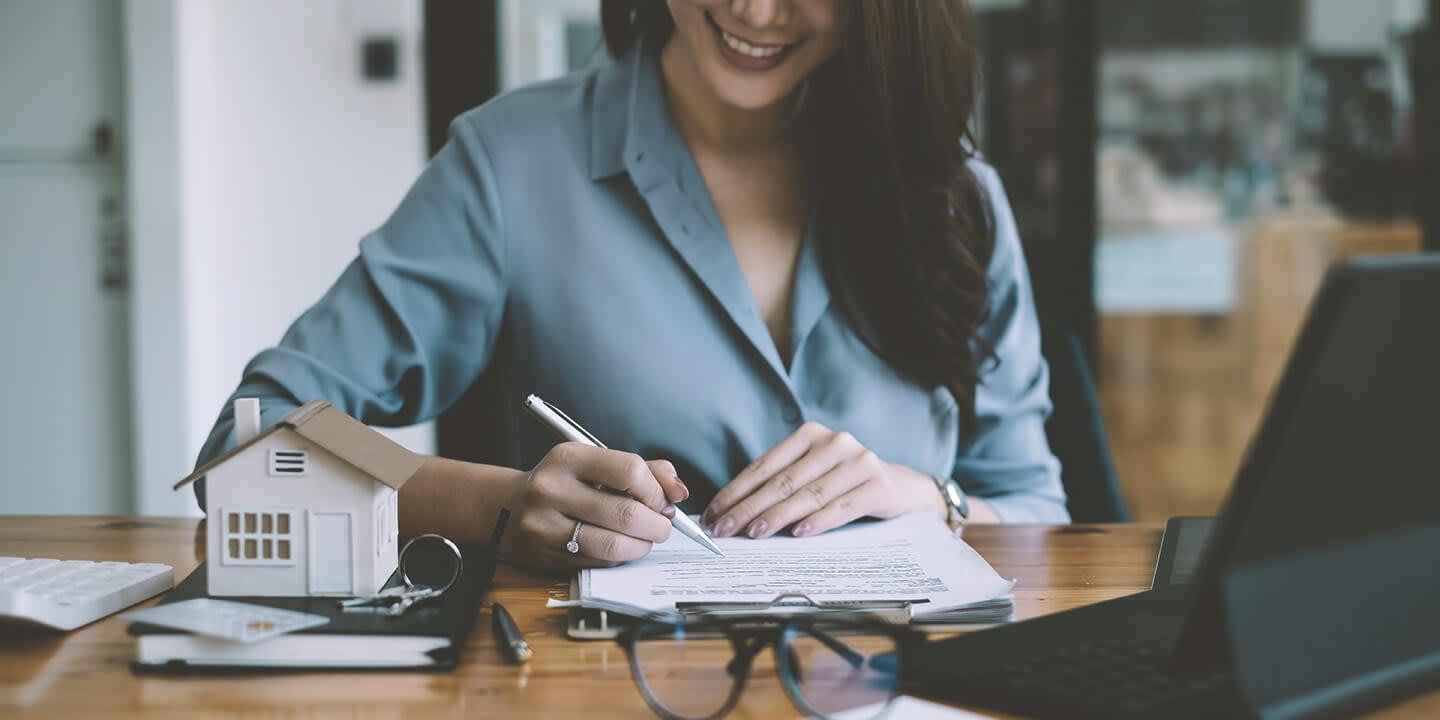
point(1127, 678)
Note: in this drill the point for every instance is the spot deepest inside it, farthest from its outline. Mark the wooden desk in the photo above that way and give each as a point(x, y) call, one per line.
point(85, 674)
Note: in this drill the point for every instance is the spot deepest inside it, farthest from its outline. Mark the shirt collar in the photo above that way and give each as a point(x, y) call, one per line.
point(628, 115)
point(632, 132)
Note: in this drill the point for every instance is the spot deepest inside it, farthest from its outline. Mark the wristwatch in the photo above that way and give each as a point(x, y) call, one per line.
point(959, 507)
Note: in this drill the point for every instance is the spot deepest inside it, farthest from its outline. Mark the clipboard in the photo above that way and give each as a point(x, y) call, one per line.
point(595, 624)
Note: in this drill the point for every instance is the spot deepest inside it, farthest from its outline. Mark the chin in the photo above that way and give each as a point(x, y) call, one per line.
point(746, 97)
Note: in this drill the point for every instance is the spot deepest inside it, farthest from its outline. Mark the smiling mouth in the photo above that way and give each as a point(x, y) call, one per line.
point(747, 54)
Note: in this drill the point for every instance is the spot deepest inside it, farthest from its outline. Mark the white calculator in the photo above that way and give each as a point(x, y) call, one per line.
point(65, 594)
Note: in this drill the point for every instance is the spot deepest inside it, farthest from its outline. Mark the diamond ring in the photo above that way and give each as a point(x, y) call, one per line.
point(574, 545)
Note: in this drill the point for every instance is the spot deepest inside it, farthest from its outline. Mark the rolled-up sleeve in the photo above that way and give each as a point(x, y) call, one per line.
point(1006, 459)
point(411, 322)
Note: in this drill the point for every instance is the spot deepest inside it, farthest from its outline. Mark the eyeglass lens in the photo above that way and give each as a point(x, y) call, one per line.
point(687, 671)
point(839, 672)
point(693, 671)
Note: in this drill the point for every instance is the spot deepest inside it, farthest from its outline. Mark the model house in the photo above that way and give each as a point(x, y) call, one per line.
point(307, 507)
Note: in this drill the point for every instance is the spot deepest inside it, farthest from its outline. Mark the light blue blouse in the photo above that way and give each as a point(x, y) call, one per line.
point(570, 216)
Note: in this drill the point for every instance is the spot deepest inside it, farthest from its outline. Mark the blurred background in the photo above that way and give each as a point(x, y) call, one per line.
point(180, 178)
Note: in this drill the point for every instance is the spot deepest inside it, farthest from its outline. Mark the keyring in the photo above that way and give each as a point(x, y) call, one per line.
point(419, 564)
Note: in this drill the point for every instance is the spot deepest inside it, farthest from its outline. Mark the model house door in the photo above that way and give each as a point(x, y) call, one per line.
point(332, 557)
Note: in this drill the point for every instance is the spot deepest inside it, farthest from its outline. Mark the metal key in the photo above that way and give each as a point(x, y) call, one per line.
point(396, 600)
point(410, 599)
point(388, 594)
point(392, 601)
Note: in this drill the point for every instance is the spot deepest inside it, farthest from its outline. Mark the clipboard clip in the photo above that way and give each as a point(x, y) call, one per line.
point(799, 604)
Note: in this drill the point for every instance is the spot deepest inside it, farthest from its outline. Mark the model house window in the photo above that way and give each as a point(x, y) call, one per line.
point(394, 531)
point(386, 523)
point(263, 537)
point(288, 462)
point(380, 527)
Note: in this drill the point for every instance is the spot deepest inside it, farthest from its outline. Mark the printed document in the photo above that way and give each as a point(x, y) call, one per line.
point(914, 558)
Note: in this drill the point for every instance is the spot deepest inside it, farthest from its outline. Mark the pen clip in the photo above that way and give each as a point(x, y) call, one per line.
point(575, 425)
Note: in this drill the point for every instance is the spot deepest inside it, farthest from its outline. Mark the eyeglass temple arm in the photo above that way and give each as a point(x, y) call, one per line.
point(845, 651)
point(851, 655)
point(745, 652)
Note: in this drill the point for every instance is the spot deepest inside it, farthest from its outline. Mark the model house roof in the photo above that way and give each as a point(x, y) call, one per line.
point(343, 436)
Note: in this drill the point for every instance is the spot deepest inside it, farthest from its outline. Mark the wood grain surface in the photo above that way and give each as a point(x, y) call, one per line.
point(85, 673)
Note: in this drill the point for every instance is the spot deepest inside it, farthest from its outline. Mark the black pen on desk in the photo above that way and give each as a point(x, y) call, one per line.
point(507, 635)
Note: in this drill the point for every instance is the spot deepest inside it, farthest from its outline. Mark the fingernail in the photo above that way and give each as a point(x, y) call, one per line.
point(725, 527)
point(758, 528)
point(684, 487)
point(708, 517)
point(668, 511)
point(803, 529)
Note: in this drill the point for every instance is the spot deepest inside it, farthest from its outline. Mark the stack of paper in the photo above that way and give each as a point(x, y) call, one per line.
point(913, 558)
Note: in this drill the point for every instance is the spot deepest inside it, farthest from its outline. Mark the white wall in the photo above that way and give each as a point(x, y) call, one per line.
point(157, 317)
point(283, 156)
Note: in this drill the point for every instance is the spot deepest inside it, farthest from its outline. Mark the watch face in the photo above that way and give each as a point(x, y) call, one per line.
point(953, 496)
point(956, 500)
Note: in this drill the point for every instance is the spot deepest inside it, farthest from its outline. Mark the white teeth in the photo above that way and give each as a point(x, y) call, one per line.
point(749, 50)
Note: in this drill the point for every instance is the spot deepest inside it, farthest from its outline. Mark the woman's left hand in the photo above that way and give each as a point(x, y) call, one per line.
point(818, 479)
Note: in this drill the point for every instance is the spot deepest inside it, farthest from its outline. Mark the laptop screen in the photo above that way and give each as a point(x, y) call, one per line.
point(1325, 549)
point(1354, 451)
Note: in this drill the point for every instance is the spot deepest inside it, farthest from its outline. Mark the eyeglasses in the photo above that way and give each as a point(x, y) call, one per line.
point(695, 667)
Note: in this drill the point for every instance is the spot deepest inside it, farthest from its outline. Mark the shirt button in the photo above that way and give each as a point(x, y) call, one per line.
point(792, 414)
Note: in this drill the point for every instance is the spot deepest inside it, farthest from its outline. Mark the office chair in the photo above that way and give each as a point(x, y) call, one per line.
point(473, 429)
point(1076, 431)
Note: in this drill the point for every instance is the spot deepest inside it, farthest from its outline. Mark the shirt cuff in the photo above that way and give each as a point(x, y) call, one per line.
point(1027, 508)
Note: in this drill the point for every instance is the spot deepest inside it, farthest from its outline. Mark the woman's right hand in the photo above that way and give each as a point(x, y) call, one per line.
point(564, 488)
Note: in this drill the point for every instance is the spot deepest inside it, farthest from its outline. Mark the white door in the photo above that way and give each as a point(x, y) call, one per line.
point(332, 554)
point(64, 356)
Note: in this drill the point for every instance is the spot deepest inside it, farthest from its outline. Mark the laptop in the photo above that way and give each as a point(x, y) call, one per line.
point(1317, 593)
point(1181, 546)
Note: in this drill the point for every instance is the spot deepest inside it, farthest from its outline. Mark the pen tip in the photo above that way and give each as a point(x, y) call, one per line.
point(693, 530)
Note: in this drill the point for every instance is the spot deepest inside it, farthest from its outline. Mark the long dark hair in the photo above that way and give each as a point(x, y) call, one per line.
point(905, 230)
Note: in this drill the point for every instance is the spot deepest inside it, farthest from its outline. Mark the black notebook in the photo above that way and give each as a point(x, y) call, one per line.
point(429, 636)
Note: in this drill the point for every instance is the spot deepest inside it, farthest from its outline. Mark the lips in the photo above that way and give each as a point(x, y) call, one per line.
point(745, 54)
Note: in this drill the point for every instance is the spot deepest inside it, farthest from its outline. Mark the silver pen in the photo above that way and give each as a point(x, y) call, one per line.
point(566, 428)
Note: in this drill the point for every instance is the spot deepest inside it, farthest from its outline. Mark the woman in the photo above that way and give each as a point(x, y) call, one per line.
point(755, 250)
